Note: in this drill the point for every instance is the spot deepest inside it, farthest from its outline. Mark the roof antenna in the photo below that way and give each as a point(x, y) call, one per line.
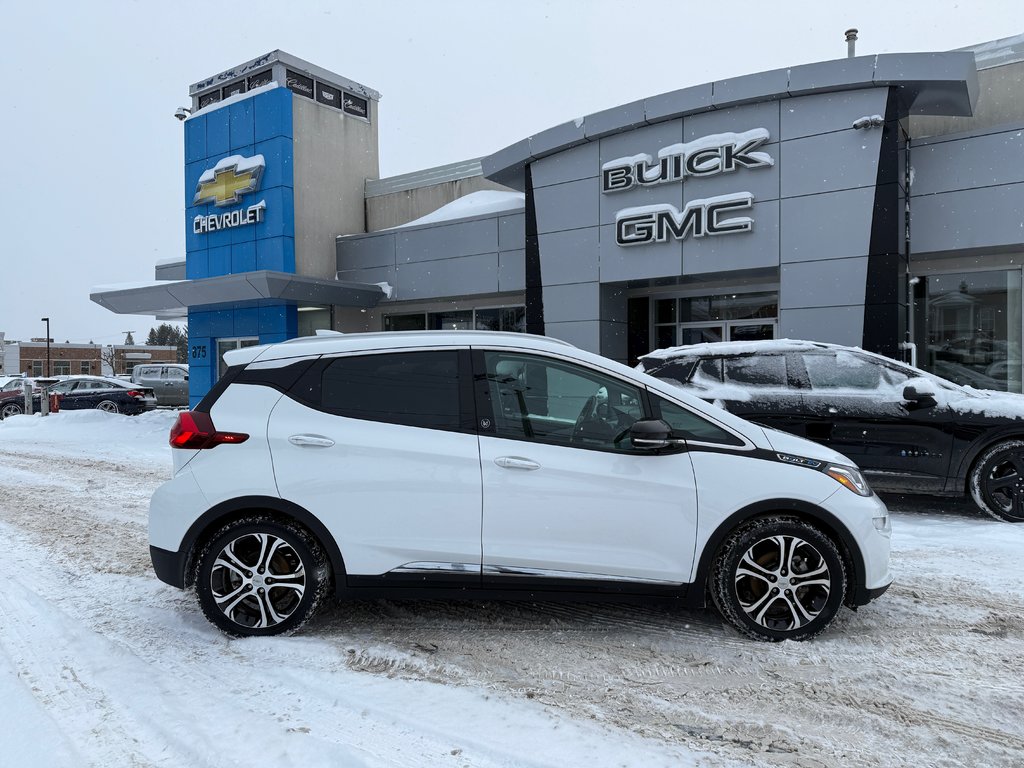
point(851, 43)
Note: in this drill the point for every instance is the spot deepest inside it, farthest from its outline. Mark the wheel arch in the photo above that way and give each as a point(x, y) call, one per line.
point(977, 450)
point(207, 524)
point(829, 524)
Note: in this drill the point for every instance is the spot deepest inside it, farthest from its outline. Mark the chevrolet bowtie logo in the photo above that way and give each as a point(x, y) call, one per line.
point(228, 180)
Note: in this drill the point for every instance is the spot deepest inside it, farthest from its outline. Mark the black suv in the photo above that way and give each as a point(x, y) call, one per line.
point(909, 431)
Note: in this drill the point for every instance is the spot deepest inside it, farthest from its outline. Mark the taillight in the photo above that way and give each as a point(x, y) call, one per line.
point(135, 393)
point(194, 430)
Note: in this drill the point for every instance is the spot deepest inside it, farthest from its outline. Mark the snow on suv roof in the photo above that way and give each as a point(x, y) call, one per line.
point(740, 348)
point(333, 343)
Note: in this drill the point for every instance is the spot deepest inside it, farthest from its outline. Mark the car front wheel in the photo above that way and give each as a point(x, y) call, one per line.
point(997, 481)
point(261, 576)
point(778, 578)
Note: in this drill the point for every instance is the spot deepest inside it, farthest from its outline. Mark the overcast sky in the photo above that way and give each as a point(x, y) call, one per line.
point(93, 190)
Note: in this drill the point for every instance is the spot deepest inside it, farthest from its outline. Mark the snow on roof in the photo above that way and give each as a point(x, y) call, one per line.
point(740, 348)
point(475, 204)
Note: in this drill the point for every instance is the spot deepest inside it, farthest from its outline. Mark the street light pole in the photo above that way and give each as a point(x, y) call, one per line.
point(47, 321)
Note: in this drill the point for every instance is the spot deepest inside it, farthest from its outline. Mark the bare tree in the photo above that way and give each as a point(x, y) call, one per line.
point(107, 356)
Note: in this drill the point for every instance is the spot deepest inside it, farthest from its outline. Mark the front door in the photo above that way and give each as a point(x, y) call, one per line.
point(566, 496)
point(854, 404)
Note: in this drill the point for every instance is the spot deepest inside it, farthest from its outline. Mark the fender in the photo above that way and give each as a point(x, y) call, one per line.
point(802, 509)
point(237, 507)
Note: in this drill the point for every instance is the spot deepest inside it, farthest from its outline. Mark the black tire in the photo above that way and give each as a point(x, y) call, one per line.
point(10, 409)
point(243, 600)
point(749, 580)
point(108, 406)
point(996, 482)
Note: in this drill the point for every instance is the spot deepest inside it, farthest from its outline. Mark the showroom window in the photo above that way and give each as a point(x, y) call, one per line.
point(484, 319)
point(85, 367)
point(37, 367)
point(61, 367)
point(722, 317)
point(973, 328)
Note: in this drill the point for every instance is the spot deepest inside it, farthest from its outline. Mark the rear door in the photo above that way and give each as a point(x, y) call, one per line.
point(757, 387)
point(172, 387)
point(382, 448)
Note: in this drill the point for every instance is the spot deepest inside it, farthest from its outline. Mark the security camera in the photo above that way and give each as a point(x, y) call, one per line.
point(182, 112)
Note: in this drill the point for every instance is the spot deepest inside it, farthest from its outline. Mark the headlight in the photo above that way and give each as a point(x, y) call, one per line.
point(850, 478)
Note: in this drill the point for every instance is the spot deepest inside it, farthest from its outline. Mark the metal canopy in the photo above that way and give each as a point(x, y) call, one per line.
point(237, 289)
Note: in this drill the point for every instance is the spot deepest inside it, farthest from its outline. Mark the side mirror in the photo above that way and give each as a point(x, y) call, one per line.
point(653, 433)
point(921, 394)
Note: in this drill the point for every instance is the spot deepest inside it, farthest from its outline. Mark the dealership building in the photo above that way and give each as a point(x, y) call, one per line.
point(875, 201)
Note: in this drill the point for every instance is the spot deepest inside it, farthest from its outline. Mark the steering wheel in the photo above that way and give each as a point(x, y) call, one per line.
point(599, 421)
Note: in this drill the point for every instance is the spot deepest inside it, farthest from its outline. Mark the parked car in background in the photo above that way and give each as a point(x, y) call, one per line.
point(169, 381)
point(909, 431)
point(480, 463)
point(78, 392)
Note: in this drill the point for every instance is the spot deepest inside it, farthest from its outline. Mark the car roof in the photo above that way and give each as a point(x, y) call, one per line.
point(336, 343)
point(721, 348)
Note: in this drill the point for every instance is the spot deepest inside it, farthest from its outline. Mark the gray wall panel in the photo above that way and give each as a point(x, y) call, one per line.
point(371, 275)
point(613, 202)
point(639, 261)
point(838, 325)
point(512, 232)
point(444, 241)
point(360, 252)
point(566, 303)
point(568, 206)
point(512, 270)
point(614, 120)
point(736, 119)
point(584, 334)
point(834, 283)
point(614, 342)
point(827, 112)
point(465, 275)
point(762, 183)
point(978, 161)
point(973, 218)
point(569, 257)
point(577, 163)
point(740, 250)
point(648, 139)
point(830, 162)
point(833, 225)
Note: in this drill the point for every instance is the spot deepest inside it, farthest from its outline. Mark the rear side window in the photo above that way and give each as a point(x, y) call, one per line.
point(415, 389)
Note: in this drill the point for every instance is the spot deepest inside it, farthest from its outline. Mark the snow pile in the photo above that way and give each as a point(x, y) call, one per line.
point(474, 204)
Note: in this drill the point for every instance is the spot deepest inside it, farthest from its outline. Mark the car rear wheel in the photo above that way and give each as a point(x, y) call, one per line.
point(260, 576)
point(109, 406)
point(997, 481)
point(778, 578)
point(11, 409)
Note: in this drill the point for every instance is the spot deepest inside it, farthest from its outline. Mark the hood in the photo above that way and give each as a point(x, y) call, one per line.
point(784, 442)
point(988, 402)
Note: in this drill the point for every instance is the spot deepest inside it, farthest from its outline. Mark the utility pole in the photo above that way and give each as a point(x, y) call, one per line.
point(47, 321)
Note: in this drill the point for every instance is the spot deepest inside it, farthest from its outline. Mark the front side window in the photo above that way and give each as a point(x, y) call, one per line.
point(545, 400)
point(847, 370)
point(690, 426)
point(414, 389)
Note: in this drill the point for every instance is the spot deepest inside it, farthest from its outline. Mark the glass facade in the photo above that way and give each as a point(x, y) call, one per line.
point(722, 317)
point(973, 328)
point(485, 319)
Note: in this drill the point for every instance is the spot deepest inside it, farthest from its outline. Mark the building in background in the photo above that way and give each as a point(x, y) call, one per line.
point(872, 201)
point(66, 359)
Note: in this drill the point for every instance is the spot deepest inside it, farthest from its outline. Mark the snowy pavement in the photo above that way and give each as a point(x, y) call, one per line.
point(101, 664)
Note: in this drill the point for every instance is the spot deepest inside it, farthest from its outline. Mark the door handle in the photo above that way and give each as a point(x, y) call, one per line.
point(313, 440)
point(514, 462)
point(833, 409)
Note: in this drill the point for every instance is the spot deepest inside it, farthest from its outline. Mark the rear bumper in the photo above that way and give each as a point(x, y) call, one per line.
point(169, 566)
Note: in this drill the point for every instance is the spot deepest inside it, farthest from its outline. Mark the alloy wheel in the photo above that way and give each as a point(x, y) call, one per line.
point(258, 580)
point(782, 582)
point(1004, 485)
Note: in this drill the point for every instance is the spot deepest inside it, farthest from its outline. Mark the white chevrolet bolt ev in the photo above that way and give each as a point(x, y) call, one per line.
point(482, 464)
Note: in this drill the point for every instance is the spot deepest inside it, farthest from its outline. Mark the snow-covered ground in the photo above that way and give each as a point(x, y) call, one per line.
point(101, 664)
